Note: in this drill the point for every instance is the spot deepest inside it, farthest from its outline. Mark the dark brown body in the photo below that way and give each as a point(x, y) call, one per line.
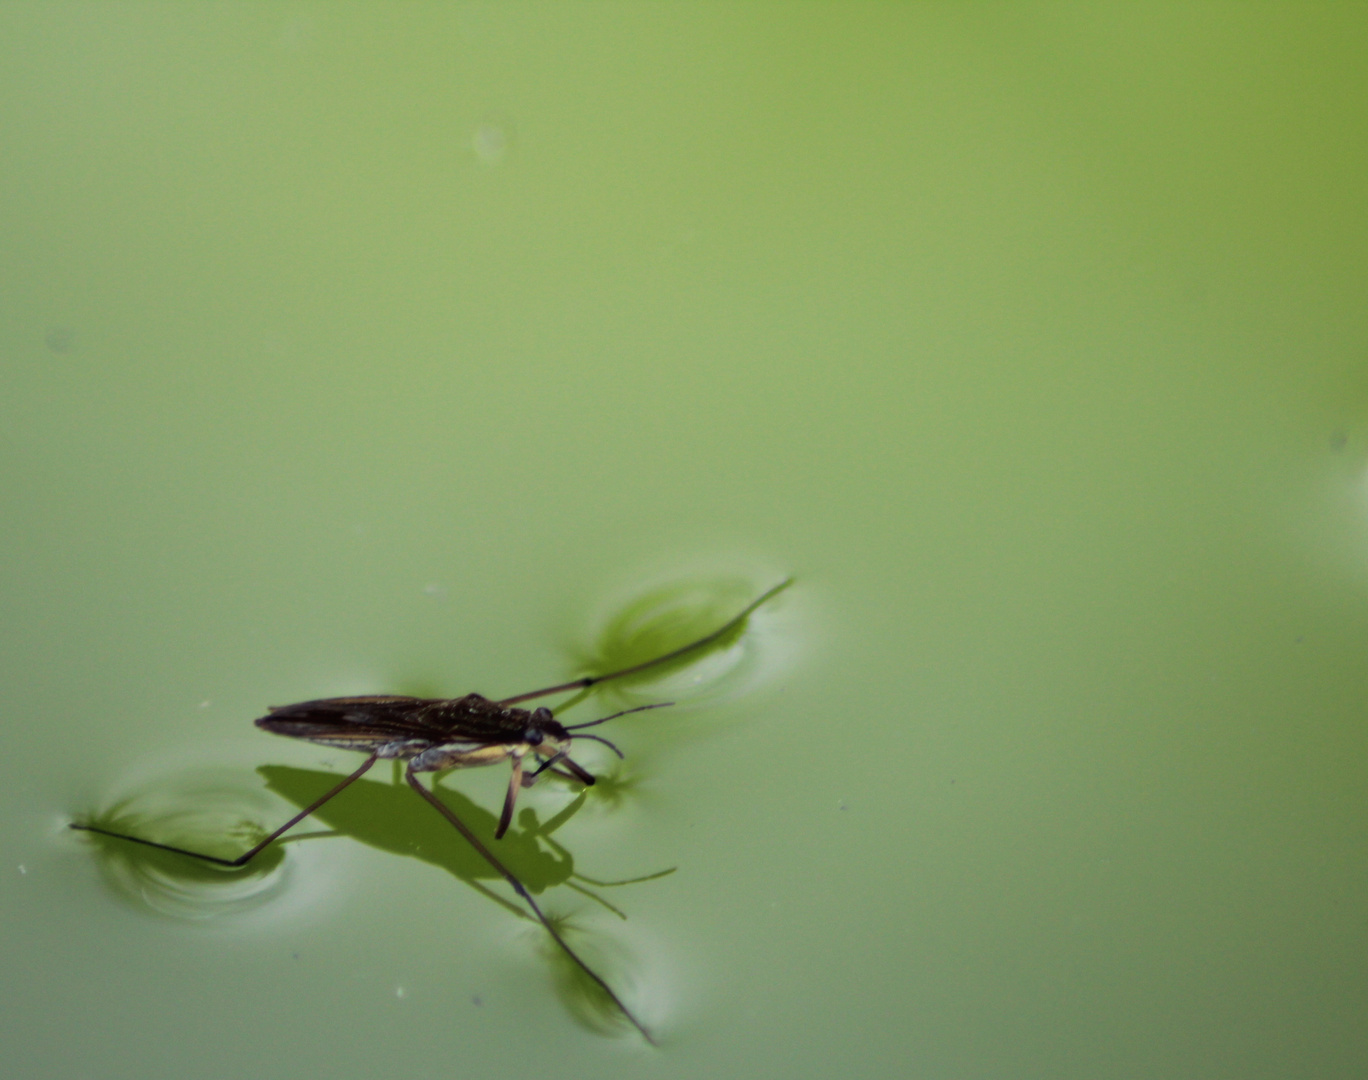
point(435, 733)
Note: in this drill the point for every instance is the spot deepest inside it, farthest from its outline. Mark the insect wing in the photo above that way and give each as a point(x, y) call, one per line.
point(355, 723)
point(383, 720)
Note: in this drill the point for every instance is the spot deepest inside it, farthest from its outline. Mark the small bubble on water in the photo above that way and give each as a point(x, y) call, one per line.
point(476, 1000)
point(490, 143)
point(60, 339)
point(400, 992)
point(432, 589)
point(23, 869)
point(296, 35)
point(205, 703)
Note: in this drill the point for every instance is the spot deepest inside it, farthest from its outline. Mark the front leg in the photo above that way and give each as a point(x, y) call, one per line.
point(572, 771)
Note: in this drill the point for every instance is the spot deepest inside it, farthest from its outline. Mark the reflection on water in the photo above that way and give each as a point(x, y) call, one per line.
point(616, 785)
point(583, 998)
point(664, 618)
point(217, 819)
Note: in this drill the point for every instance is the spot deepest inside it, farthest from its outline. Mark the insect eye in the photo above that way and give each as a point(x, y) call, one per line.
point(532, 735)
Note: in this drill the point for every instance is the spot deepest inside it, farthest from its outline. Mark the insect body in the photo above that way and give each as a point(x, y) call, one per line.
point(434, 734)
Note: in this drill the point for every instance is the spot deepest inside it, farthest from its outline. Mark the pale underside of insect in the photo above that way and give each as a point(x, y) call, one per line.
point(435, 734)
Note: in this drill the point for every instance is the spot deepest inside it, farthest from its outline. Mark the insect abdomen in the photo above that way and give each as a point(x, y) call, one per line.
point(463, 755)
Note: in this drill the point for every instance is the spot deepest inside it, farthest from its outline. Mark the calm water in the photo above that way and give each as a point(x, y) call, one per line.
point(352, 349)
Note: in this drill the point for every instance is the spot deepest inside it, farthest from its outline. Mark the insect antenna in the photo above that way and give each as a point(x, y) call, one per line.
point(595, 723)
point(600, 738)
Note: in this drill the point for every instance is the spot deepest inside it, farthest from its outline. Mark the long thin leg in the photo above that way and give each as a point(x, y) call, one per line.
point(246, 856)
point(591, 680)
point(515, 783)
point(474, 841)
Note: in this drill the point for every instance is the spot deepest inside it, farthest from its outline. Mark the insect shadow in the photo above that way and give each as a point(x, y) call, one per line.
point(155, 879)
point(388, 818)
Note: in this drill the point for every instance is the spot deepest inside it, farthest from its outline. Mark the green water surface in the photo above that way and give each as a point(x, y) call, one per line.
point(430, 348)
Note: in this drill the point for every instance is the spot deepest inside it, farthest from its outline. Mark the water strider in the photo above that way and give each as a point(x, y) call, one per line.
point(434, 734)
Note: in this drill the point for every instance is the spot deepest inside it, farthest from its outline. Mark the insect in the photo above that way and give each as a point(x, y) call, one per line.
point(435, 734)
